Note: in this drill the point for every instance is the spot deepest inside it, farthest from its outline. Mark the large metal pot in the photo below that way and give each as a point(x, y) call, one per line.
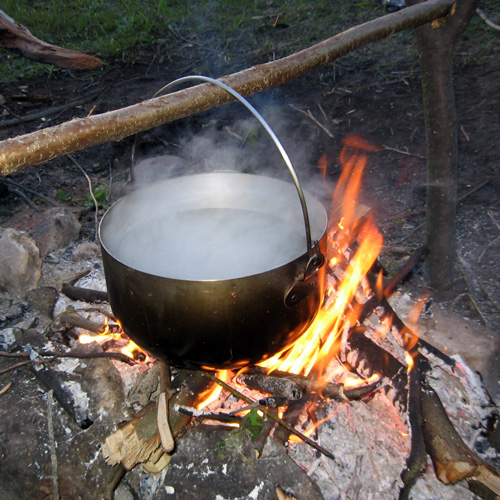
point(215, 270)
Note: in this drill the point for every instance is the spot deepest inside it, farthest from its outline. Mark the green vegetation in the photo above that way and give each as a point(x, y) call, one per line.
point(232, 30)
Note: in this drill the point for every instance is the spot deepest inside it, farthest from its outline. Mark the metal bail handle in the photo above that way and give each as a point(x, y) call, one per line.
point(312, 249)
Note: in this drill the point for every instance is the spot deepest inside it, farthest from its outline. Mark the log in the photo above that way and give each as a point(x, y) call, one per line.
point(452, 459)
point(138, 441)
point(38, 147)
point(14, 35)
point(84, 294)
point(294, 385)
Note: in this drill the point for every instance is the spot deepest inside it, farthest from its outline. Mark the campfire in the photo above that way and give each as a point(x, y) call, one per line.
point(353, 399)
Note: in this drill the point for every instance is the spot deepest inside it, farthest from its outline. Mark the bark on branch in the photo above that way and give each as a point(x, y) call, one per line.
point(14, 35)
point(41, 146)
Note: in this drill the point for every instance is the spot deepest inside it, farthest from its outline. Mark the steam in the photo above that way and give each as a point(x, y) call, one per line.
point(181, 235)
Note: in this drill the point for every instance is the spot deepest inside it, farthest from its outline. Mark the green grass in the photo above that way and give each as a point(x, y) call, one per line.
point(105, 28)
point(239, 31)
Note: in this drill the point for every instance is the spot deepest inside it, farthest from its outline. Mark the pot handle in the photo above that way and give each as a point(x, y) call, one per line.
point(315, 257)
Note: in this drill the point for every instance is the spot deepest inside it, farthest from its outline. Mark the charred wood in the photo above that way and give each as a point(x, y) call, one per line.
point(277, 386)
point(257, 377)
point(74, 319)
point(366, 357)
point(84, 294)
point(417, 459)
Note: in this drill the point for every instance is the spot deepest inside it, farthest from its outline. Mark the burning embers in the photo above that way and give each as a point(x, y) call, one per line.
point(338, 358)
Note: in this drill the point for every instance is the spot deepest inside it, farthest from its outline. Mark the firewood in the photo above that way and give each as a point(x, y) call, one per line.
point(270, 414)
point(417, 459)
point(84, 294)
point(281, 387)
point(452, 459)
point(166, 437)
point(257, 378)
point(14, 35)
point(138, 440)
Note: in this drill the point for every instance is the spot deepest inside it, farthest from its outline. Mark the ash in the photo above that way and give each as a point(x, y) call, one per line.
point(370, 442)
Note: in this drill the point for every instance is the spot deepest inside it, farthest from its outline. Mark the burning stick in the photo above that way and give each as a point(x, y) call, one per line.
point(271, 415)
point(292, 385)
point(219, 417)
point(74, 319)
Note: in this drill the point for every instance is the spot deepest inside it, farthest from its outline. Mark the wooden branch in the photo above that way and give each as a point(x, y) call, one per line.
point(84, 294)
point(283, 384)
point(14, 35)
point(416, 461)
point(41, 146)
point(451, 457)
point(271, 415)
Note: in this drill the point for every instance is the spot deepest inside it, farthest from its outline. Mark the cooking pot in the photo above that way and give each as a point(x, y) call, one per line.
point(216, 270)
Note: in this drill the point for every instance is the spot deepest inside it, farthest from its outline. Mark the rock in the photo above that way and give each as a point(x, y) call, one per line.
point(43, 300)
point(85, 251)
point(53, 229)
point(201, 469)
point(454, 335)
point(20, 266)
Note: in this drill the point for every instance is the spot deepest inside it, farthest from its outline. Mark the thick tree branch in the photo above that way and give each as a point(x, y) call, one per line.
point(14, 35)
point(43, 145)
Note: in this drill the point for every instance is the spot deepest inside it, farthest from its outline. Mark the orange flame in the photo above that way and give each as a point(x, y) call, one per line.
point(213, 392)
point(131, 349)
point(313, 352)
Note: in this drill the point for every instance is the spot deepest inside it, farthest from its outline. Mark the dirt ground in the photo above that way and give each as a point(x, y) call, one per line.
point(375, 93)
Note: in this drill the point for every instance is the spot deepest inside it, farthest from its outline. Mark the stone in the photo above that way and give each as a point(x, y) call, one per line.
point(43, 300)
point(20, 266)
point(52, 229)
point(200, 468)
point(85, 251)
point(453, 334)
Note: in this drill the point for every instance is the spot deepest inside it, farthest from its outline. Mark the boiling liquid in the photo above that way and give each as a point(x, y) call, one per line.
point(211, 244)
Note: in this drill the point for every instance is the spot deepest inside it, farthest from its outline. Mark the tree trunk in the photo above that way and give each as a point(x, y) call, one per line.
point(436, 44)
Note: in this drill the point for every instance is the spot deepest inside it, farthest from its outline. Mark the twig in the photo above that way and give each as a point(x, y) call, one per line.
point(4, 389)
point(473, 190)
point(52, 445)
point(219, 417)
point(91, 192)
point(284, 424)
point(474, 303)
point(311, 117)
point(70, 354)
point(50, 111)
point(401, 152)
point(24, 198)
point(17, 365)
point(32, 191)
